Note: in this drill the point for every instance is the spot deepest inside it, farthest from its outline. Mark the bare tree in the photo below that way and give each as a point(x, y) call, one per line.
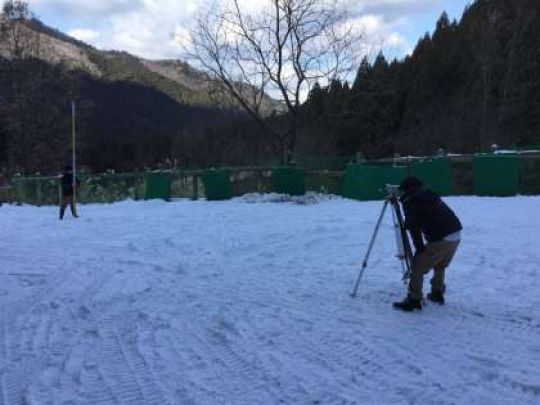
point(17, 41)
point(281, 51)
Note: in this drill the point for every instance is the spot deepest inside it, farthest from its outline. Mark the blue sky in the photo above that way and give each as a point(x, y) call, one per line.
point(426, 21)
point(148, 28)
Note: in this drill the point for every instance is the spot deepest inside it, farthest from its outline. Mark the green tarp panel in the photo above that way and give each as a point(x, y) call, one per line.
point(37, 190)
point(363, 182)
point(462, 177)
point(217, 185)
point(289, 180)
point(106, 188)
point(496, 175)
point(26, 190)
point(530, 176)
point(436, 174)
point(157, 185)
point(324, 182)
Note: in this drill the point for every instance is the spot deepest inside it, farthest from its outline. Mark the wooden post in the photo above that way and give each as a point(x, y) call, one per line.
point(184, 183)
point(38, 192)
point(258, 174)
point(59, 192)
point(195, 187)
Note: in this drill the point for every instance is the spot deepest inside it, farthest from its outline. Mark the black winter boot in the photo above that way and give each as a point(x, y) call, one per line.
point(436, 296)
point(409, 304)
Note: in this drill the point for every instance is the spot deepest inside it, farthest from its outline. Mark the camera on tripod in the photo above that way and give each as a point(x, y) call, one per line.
point(392, 192)
point(404, 251)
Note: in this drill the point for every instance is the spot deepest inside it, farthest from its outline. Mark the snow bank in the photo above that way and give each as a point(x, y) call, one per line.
point(309, 198)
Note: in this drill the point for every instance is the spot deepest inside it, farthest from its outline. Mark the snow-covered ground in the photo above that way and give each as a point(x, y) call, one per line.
point(247, 302)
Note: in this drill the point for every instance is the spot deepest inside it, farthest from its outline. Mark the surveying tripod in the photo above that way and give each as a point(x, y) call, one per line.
point(404, 251)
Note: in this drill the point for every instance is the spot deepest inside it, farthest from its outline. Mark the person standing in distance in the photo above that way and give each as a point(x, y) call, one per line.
point(428, 217)
point(67, 183)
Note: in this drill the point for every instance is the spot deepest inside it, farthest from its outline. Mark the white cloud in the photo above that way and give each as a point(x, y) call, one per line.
point(381, 35)
point(371, 24)
point(395, 40)
point(152, 31)
point(156, 28)
point(87, 8)
point(84, 35)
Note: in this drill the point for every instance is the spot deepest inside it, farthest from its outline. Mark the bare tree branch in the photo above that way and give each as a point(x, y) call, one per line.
point(280, 51)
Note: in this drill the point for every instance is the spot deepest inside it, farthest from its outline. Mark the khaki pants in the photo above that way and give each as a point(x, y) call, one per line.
point(67, 200)
point(436, 256)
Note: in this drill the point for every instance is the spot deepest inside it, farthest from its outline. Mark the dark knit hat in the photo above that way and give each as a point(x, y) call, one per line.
point(410, 183)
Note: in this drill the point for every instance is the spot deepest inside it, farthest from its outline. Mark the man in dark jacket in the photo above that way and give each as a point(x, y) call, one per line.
point(428, 217)
point(67, 183)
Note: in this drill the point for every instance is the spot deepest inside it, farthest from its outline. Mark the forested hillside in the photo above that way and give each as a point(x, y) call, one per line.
point(131, 113)
point(465, 87)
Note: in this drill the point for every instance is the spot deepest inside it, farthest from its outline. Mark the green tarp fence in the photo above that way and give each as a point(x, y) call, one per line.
point(217, 185)
point(496, 176)
point(289, 180)
point(436, 174)
point(157, 185)
point(485, 175)
point(102, 188)
point(324, 182)
point(111, 187)
point(364, 182)
point(37, 190)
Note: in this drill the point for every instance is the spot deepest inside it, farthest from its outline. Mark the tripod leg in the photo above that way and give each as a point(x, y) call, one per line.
point(371, 243)
point(401, 255)
point(405, 240)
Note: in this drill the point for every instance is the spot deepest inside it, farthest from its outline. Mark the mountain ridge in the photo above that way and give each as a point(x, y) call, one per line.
point(175, 77)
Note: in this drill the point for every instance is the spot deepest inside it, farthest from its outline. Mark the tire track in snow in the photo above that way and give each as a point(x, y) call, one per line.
point(78, 369)
point(11, 379)
point(370, 367)
point(27, 331)
point(249, 381)
point(12, 389)
point(464, 344)
point(133, 381)
point(160, 352)
point(314, 354)
point(21, 318)
point(230, 371)
point(498, 365)
point(396, 361)
point(238, 356)
point(522, 325)
point(205, 367)
point(421, 342)
point(117, 341)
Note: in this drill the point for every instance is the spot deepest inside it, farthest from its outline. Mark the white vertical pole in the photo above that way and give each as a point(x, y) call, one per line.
point(74, 155)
